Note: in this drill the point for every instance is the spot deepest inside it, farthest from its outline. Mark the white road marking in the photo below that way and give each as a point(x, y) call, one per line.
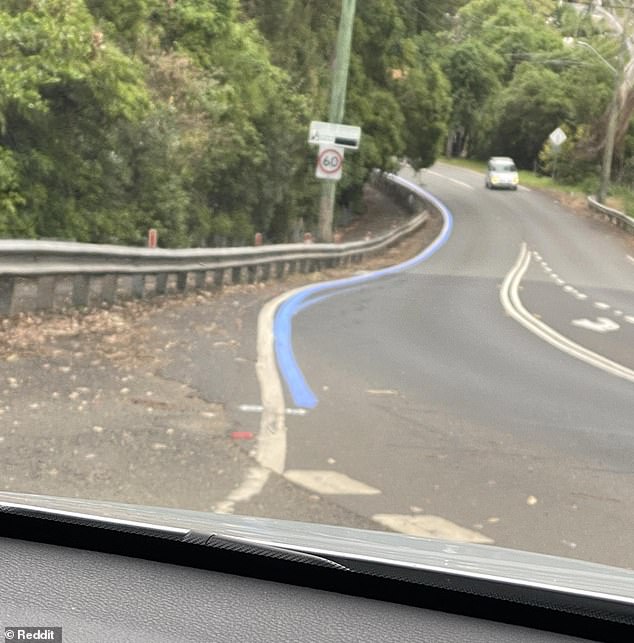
point(448, 178)
point(257, 408)
point(381, 391)
point(251, 486)
point(478, 174)
point(270, 452)
point(570, 289)
point(329, 482)
point(251, 408)
point(510, 299)
point(602, 325)
point(296, 412)
point(618, 313)
point(601, 306)
point(464, 185)
point(581, 295)
point(560, 281)
point(629, 319)
point(630, 258)
point(427, 526)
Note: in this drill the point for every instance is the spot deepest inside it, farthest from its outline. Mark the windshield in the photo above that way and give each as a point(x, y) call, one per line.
point(253, 261)
point(503, 167)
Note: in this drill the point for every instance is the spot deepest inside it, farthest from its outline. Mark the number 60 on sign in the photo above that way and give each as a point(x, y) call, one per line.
point(329, 162)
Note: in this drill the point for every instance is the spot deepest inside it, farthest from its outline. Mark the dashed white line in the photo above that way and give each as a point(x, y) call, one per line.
point(601, 305)
point(629, 319)
point(510, 299)
point(630, 258)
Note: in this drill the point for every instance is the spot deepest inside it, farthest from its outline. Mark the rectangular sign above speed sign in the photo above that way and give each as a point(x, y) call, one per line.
point(329, 162)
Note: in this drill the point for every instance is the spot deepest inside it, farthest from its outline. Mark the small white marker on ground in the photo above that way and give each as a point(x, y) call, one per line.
point(426, 526)
point(329, 482)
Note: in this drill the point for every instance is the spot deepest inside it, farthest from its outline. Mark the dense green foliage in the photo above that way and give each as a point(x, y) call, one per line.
point(516, 74)
point(191, 116)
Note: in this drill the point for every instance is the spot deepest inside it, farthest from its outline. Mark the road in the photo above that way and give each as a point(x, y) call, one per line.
point(484, 394)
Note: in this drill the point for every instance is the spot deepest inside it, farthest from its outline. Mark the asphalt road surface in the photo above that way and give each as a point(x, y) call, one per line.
point(487, 393)
point(483, 394)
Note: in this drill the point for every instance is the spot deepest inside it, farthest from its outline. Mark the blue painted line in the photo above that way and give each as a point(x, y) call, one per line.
point(303, 396)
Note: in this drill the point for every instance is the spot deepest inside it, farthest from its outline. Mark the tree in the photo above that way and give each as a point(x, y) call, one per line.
point(520, 117)
point(474, 72)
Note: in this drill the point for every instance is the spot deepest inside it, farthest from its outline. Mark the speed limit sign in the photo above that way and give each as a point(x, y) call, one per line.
point(329, 162)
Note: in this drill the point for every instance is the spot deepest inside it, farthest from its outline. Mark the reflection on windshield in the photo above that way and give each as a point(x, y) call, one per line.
point(208, 149)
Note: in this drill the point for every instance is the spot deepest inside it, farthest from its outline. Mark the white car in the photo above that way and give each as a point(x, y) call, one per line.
point(501, 173)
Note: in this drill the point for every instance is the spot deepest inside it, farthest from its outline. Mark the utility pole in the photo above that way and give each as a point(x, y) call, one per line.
point(610, 135)
point(613, 116)
point(337, 108)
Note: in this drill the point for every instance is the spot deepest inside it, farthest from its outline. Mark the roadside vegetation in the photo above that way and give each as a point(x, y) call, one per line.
point(191, 116)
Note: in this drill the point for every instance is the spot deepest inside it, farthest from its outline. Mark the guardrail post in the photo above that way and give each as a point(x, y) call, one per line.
point(45, 292)
point(109, 288)
point(161, 283)
point(219, 278)
point(292, 266)
point(236, 275)
point(138, 286)
point(280, 268)
point(81, 290)
point(7, 286)
point(266, 272)
point(201, 279)
point(303, 266)
point(181, 281)
point(251, 274)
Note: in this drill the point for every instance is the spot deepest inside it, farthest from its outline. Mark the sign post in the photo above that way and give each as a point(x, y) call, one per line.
point(337, 107)
point(152, 238)
point(557, 137)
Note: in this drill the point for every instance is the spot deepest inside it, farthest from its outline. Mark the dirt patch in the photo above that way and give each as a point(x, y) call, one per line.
point(380, 215)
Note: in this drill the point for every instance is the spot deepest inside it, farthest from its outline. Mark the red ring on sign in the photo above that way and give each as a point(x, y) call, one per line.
point(321, 156)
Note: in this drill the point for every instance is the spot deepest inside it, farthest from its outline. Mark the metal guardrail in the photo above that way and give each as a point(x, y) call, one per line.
point(616, 217)
point(97, 272)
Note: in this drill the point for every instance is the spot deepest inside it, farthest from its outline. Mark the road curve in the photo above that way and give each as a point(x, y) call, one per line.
point(440, 414)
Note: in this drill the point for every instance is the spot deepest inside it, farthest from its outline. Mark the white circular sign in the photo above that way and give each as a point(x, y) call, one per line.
point(330, 161)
